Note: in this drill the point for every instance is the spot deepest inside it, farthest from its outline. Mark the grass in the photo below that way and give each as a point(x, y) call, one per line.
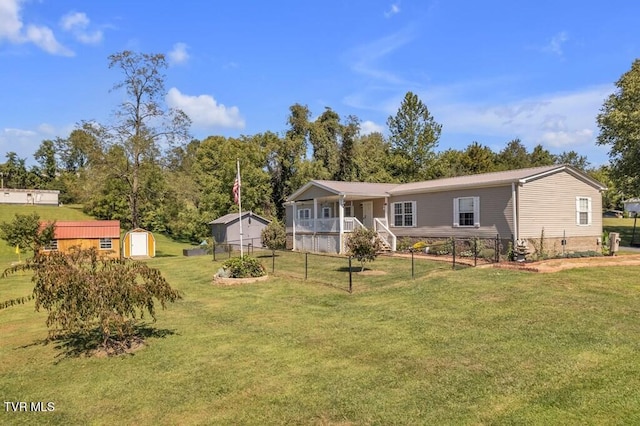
point(624, 226)
point(465, 346)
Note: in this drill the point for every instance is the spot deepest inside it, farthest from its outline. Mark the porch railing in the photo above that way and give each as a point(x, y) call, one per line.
point(380, 226)
point(328, 225)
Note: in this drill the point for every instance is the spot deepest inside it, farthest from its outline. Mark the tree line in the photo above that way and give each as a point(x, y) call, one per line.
point(145, 170)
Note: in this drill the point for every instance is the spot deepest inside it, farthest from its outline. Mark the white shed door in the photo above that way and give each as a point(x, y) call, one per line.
point(139, 244)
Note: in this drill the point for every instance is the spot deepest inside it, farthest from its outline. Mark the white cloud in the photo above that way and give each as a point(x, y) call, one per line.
point(556, 120)
point(205, 111)
point(77, 23)
point(179, 55)
point(555, 45)
point(11, 29)
point(43, 38)
point(393, 10)
point(368, 127)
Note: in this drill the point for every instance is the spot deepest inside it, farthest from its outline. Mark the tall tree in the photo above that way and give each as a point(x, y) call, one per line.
point(514, 156)
point(372, 159)
point(46, 158)
point(414, 135)
point(619, 122)
point(477, 158)
point(541, 157)
point(144, 125)
point(573, 159)
point(324, 136)
point(347, 169)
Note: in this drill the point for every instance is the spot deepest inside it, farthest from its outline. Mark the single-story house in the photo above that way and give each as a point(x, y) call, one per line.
point(104, 235)
point(138, 243)
point(226, 229)
point(44, 197)
point(516, 205)
point(632, 206)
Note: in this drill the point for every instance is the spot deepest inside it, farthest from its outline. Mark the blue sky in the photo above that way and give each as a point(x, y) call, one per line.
point(489, 71)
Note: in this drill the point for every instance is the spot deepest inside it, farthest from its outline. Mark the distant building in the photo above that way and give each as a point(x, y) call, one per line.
point(632, 205)
point(226, 229)
point(44, 197)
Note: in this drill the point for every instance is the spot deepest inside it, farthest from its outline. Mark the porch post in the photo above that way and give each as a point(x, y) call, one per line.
point(315, 214)
point(295, 214)
point(386, 211)
point(341, 222)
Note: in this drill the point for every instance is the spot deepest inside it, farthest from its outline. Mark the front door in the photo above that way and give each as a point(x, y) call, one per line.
point(367, 214)
point(139, 244)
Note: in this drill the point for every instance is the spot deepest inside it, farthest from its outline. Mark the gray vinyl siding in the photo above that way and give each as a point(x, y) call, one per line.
point(315, 192)
point(435, 214)
point(251, 231)
point(550, 202)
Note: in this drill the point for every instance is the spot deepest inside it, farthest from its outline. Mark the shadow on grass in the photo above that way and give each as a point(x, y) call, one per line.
point(161, 254)
point(88, 344)
point(354, 269)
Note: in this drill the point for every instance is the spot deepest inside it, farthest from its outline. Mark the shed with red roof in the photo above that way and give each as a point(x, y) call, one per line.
point(103, 235)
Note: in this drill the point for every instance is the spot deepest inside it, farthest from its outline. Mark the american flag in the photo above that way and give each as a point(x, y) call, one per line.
point(236, 190)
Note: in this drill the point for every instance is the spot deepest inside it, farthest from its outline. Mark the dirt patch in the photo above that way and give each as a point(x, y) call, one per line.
point(555, 265)
point(373, 272)
point(236, 281)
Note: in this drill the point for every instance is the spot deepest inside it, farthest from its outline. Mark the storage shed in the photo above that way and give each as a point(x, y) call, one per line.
point(226, 229)
point(104, 235)
point(138, 243)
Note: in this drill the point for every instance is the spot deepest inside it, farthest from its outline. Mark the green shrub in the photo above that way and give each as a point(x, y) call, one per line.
point(243, 267)
point(364, 244)
point(274, 236)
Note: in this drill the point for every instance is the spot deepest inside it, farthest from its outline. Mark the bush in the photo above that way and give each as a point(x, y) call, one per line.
point(274, 236)
point(242, 267)
point(86, 295)
point(364, 244)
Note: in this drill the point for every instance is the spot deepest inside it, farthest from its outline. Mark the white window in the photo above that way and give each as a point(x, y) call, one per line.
point(105, 244)
point(304, 214)
point(52, 246)
point(404, 214)
point(348, 210)
point(583, 211)
point(326, 212)
point(466, 212)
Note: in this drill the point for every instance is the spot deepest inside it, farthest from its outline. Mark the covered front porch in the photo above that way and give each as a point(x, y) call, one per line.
point(321, 216)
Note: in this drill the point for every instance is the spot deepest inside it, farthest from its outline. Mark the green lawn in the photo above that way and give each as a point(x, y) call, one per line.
point(465, 346)
point(624, 226)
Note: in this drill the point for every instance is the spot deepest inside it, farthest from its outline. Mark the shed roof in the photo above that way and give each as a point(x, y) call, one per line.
point(87, 229)
point(231, 217)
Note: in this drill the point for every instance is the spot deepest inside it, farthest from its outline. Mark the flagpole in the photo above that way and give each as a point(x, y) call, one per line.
point(240, 205)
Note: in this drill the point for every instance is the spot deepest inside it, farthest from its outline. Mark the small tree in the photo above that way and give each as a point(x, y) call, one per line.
point(364, 244)
point(26, 232)
point(87, 295)
point(274, 236)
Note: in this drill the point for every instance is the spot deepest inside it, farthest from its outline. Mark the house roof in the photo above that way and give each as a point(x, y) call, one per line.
point(367, 189)
point(87, 229)
point(521, 176)
point(231, 217)
point(44, 191)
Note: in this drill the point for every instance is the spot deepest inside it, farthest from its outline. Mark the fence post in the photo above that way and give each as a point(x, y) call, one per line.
point(350, 278)
point(453, 251)
point(229, 249)
point(413, 274)
point(214, 250)
point(273, 261)
point(475, 251)
point(497, 259)
point(306, 265)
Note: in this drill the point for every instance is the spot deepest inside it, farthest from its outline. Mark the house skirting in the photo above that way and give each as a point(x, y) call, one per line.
point(316, 243)
point(554, 247)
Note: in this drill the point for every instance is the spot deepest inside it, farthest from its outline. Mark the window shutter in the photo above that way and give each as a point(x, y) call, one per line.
point(456, 213)
point(577, 210)
point(476, 212)
point(414, 214)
